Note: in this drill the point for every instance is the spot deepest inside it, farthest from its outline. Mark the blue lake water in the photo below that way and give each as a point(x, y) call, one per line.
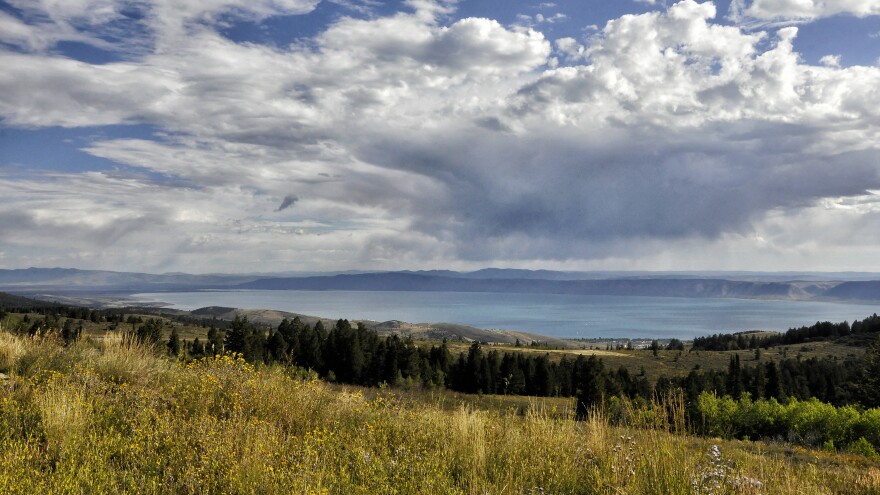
point(568, 316)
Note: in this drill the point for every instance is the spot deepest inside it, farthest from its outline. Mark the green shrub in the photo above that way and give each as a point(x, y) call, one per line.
point(868, 427)
point(809, 421)
point(717, 414)
point(863, 447)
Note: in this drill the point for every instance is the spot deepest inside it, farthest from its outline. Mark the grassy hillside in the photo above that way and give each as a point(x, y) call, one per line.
point(102, 416)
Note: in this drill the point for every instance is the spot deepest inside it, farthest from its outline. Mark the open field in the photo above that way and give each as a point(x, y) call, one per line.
point(555, 353)
point(680, 363)
point(105, 417)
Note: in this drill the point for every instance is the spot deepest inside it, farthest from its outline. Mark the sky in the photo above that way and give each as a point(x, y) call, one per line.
point(226, 136)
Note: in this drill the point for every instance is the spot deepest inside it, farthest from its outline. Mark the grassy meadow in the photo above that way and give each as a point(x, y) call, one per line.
point(108, 416)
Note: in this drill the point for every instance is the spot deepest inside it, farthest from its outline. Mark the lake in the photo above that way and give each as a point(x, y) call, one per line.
point(566, 316)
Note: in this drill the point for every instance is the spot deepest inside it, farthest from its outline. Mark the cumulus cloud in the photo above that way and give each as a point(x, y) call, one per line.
point(811, 9)
point(537, 19)
point(129, 25)
point(414, 138)
point(830, 60)
point(768, 14)
point(570, 48)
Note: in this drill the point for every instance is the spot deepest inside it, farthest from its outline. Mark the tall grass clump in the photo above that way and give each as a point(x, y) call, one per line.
point(12, 348)
point(122, 359)
point(113, 417)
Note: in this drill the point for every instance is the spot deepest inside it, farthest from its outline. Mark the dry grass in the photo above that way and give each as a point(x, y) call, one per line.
point(113, 418)
point(11, 349)
point(125, 360)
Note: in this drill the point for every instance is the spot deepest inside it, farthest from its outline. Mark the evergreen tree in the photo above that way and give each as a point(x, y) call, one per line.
point(543, 376)
point(291, 331)
point(734, 377)
point(70, 332)
point(150, 332)
point(174, 343)
point(343, 354)
point(277, 347)
point(440, 357)
point(590, 384)
point(236, 337)
point(758, 383)
point(197, 349)
point(215, 340)
point(774, 385)
point(246, 339)
point(391, 360)
point(310, 351)
point(473, 376)
point(411, 363)
point(870, 386)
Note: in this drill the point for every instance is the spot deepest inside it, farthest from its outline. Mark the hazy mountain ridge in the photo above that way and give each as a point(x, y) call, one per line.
point(74, 279)
point(864, 290)
point(660, 287)
point(682, 284)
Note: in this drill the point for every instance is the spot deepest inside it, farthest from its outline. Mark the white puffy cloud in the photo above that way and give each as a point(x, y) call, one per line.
point(432, 142)
point(469, 46)
point(830, 60)
point(811, 9)
point(570, 48)
point(130, 25)
point(49, 90)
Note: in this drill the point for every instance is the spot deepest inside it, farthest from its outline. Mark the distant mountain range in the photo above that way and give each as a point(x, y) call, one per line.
point(71, 279)
point(640, 286)
point(831, 287)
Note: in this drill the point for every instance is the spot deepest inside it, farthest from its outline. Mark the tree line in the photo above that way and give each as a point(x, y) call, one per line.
point(819, 331)
point(358, 355)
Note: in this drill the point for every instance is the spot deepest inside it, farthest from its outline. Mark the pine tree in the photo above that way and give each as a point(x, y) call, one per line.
point(150, 332)
point(473, 375)
point(237, 337)
point(870, 387)
point(197, 350)
point(591, 386)
point(734, 377)
point(543, 376)
point(215, 340)
point(758, 383)
point(311, 343)
point(174, 343)
point(69, 332)
point(774, 384)
point(277, 347)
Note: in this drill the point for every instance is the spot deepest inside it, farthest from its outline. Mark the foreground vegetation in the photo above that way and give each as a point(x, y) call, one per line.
point(111, 416)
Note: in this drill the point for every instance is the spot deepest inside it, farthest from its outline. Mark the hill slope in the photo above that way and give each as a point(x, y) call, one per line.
point(104, 417)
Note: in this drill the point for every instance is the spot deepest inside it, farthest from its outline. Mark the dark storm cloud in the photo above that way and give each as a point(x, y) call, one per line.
point(552, 187)
point(287, 202)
